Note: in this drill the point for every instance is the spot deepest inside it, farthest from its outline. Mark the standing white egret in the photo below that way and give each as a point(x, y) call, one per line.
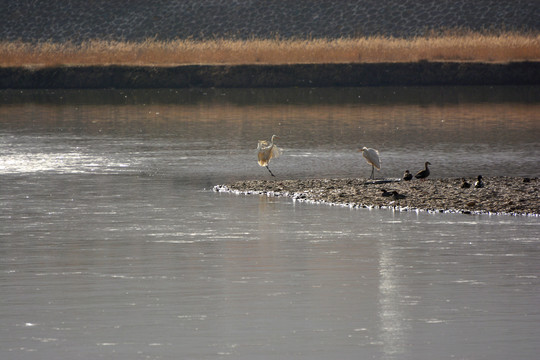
point(372, 157)
point(267, 151)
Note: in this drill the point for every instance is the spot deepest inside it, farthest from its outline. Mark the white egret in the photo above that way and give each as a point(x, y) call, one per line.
point(372, 157)
point(267, 151)
point(422, 174)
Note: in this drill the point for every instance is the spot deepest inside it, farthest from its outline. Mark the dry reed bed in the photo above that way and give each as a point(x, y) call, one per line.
point(502, 47)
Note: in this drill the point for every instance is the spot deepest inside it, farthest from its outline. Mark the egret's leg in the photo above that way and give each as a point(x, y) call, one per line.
point(372, 172)
point(270, 170)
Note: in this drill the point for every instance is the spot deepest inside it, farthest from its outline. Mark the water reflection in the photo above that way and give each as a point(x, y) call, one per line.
point(461, 131)
point(391, 313)
point(429, 95)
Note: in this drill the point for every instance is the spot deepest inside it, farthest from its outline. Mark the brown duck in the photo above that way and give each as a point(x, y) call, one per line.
point(407, 175)
point(465, 184)
point(422, 174)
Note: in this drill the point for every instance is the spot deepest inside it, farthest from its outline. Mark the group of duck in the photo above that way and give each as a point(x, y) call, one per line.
point(422, 174)
point(478, 184)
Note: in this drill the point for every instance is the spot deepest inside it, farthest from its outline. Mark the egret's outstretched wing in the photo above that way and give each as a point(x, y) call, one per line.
point(276, 152)
point(262, 144)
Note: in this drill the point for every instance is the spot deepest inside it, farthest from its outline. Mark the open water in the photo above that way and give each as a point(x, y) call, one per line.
point(113, 245)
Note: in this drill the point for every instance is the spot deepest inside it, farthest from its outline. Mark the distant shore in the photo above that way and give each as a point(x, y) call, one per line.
point(420, 73)
point(500, 195)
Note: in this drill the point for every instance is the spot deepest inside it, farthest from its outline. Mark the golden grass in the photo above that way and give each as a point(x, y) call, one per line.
point(503, 47)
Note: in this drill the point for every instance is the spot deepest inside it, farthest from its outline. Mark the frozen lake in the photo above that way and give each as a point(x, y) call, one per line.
point(112, 244)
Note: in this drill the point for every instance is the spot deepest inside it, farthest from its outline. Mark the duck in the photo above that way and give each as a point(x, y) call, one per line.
point(386, 193)
point(423, 174)
point(479, 183)
point(398, 196)
point(465, 184)
point(407, 175)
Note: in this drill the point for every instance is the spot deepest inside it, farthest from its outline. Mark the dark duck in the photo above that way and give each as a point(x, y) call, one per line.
point(423, 174)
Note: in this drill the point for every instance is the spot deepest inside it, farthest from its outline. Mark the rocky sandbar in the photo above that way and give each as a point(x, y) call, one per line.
point(500, 195)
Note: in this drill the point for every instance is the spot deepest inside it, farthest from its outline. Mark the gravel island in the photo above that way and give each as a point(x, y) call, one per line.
point(500, 195)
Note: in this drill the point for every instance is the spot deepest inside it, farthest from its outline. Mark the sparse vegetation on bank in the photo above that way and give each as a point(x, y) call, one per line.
point(465, 46)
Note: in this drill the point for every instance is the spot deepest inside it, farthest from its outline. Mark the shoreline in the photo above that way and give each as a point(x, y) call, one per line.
point(501, 195)
point(421, 73)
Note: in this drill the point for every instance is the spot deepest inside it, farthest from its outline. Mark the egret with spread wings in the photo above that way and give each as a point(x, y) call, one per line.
point(267, 151)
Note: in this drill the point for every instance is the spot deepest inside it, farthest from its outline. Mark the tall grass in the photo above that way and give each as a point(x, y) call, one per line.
point(502, 47)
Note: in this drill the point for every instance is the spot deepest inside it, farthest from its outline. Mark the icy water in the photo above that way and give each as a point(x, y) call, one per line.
point(112, 244)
